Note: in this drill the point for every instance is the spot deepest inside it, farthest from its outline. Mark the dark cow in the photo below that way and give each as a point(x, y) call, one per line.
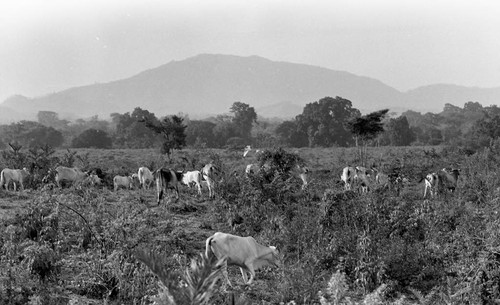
point(166, 178)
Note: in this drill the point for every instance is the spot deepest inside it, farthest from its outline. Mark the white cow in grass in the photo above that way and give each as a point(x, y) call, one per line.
point(15, 175)
point(145, 177)
point(192, 177)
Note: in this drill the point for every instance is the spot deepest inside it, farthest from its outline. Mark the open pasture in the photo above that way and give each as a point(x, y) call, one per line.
point(80, 245)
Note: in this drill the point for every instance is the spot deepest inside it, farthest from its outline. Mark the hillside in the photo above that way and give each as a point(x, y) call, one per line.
point(208, 84)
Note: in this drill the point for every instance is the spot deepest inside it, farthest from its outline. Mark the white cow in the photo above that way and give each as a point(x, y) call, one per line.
point(243, 252)
point(363, 175)
point(192, 177)
point(348, 174)
point(248, 149)
point(15, 175)
point(123, 181)
point(145, 177)
point(69, 174)
point(208, 173)
point(431, 184)
point(304, 175)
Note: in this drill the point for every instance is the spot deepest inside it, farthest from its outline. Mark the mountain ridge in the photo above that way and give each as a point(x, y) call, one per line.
point(208, 84)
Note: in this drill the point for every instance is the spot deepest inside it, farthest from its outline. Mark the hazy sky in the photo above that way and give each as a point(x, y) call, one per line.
point(51, 45)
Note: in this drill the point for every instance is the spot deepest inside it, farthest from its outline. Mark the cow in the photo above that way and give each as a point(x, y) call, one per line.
point(208, 173)
point(443, 180)
point(122, 181)
point(145, 177)
point(93, 180)
point(347, 176)
point(248, 149)
point(363, 174)
point(164, 179)
point(192, 177)
point(448, 179)
point(431, 184)
point(304, 176)
point(69, 174)
point(243, 252)
point(15, 175)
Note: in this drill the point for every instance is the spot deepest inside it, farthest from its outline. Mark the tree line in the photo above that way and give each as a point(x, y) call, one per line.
point(328, 122)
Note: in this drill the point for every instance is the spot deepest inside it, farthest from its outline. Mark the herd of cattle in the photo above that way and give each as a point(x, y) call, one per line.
point(164, 178)
point(443, 180)
point(243, 252)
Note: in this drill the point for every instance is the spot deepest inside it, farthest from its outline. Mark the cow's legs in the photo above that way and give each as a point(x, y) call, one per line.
point(198, 186)
point(244, 275)
point(252, 274)
point(226, 275)
point(15, 185)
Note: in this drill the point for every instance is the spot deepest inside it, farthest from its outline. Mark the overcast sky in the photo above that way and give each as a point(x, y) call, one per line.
point(52, 45)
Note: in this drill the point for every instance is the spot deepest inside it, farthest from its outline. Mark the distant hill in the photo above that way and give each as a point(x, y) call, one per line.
point(209, 84)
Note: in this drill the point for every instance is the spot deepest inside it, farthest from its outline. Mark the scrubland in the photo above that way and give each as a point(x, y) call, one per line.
point(90, 245)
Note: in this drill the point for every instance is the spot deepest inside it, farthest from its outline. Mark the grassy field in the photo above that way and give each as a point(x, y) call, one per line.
point(81, 245)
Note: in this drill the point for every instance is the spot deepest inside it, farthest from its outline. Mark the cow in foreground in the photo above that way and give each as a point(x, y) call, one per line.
point(145, 177)
point(123, 181)
point(166, 178)
point(15, 175)
point(69, 174)
point(243, 252)
point(192, 177)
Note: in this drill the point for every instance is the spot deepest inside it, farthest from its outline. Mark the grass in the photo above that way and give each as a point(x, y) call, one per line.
point(94, 245)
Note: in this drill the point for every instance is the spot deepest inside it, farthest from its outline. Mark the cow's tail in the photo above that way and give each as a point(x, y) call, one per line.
point(208, 247)
point(2, 179)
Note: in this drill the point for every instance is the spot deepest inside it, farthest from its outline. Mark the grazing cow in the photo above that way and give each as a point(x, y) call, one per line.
point(94, 180)
point(431, 184)
point(192, 177)
point(208, 173)
point(69, 174)
point(304, 175)
point(166, 178)
point(443, 180)
point(249, 169)
point(243, 252)
point(348, 174)
point(248, 149)
point(123, 181)
point(15, 175)
point(448, 178)
point(363, 174)
point(145, 177)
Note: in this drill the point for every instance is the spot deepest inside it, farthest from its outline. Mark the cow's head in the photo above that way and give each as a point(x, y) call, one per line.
point(275, 257)
point(432, 178)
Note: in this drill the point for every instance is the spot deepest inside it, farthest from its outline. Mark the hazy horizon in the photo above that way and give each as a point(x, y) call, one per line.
point(49, 46)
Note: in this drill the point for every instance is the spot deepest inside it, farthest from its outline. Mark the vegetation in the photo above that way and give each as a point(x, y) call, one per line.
point(92, 245)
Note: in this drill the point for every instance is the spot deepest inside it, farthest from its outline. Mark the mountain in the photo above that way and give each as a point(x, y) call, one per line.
point(434, 97)
point(209, 84)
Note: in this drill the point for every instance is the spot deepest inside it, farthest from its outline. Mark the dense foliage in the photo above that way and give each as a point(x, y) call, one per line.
point(390, 246)
point(328, 122)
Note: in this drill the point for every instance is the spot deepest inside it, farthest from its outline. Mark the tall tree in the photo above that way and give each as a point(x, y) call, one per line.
point(366, 128)
point(399, 132)
point(244, 117)
point(172, 129)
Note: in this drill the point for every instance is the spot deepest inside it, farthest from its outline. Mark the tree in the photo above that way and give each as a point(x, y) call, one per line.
point(323, 122)
point(366, 128)
point(200, 133)
point(244, 117)
point(173, 131)
point(290, 135)
point(131, 129)
point(399, 132)
point(92, 138)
